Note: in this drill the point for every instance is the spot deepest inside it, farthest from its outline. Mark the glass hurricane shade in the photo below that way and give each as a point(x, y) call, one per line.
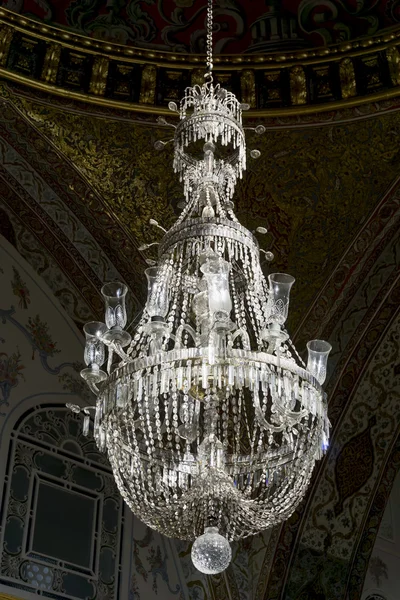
point(114, 294)
point(94, 347)
point(216, 271)
point(157, 292)
point(280, 286)
point(318, 351)
point(211, 552)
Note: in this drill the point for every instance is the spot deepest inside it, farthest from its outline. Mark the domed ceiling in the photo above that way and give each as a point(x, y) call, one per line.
point(240, 25)
point(77, 193)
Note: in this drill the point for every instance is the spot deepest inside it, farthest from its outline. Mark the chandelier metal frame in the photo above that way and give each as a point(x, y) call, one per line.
point(211, 420)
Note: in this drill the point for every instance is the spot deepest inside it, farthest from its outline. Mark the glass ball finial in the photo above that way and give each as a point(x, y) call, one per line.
point(211, 552)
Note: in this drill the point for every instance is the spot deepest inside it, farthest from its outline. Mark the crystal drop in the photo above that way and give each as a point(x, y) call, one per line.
point(86, 424)
point(269, 256)
point(159, 145)
point(260, 129)
point(208, 211)
point(211, 552)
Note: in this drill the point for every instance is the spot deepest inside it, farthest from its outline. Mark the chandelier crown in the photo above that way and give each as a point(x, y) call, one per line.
point(211, 115)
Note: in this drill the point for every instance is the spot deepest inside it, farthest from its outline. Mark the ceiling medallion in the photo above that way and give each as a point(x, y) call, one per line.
point(211, 421)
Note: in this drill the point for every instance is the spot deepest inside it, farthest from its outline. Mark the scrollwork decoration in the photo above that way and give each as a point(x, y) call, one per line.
point(298, 86)
point(99, 76)
point(248, 85)
point(393, 58)
point(6, 36)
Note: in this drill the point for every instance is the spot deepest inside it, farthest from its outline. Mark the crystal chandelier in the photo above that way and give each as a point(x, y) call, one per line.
point(211, 421)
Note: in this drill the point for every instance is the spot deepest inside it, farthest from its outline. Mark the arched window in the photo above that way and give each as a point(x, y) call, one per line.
point(62, 515)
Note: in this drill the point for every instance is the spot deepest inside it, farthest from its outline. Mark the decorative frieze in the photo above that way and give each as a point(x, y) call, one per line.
point(137, 79)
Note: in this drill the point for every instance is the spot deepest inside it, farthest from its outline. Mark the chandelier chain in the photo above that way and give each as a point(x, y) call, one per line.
point(210, 25)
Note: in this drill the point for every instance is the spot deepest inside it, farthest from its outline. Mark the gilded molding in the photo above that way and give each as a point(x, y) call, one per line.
point(197, 77)
point(347, 78)
point(248, 85)
point(148, 85)
point(139, 55)
point(6, 35)
point(98, 81)
point(393, 58)
point(298, 86)
point(134, 79)
point(163, 110)
point(51, 63)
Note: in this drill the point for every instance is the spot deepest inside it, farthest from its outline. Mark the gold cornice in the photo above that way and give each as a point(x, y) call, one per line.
point(163, 110)
point(8, 597)
point(277, 85)
point(74, 41)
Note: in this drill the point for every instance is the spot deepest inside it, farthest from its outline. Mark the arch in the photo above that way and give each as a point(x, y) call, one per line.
point(376, 596)
point(40, 348)
point(366, 328)
point(62, 515)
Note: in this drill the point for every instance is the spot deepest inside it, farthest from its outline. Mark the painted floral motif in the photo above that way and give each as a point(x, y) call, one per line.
point(20, 290)
point(134, 589)
point(10, 373)
point(41, 338)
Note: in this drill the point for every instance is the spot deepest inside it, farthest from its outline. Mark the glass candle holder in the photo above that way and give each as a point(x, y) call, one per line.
point(114, 294)
point(94, 348)
point(216, 271)
point(157, 292)
point(318, 351)
point(280, 285)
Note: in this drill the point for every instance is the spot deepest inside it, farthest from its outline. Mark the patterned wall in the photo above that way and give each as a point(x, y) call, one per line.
point(324, 549)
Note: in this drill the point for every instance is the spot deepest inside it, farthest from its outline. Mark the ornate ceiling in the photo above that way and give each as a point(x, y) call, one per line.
point(313, 187)
point(241, 25)
point(79, 182)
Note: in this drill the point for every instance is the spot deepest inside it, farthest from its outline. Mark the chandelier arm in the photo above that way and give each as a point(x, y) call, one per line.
point(93, 387)
point(110, 359)
point(116, 347)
